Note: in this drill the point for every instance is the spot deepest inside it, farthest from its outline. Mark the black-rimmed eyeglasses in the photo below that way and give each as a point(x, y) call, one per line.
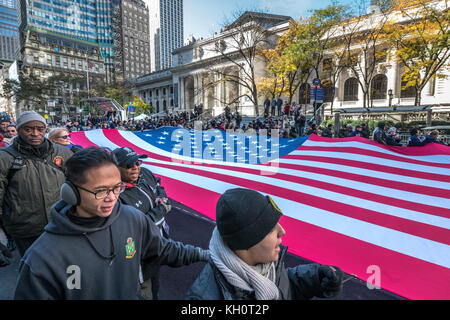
point(102, 194)
point(65, 137)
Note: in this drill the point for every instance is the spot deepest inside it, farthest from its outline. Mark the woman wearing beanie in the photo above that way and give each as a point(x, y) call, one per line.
point(247, 258)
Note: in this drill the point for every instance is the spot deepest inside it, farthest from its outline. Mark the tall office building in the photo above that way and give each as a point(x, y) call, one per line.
point(9, 30)
point(86, 20)
point(166, 31)
point(132, 40)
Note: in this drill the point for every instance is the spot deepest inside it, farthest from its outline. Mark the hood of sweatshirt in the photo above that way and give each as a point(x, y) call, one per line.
point(61, 224)
point(95, 236)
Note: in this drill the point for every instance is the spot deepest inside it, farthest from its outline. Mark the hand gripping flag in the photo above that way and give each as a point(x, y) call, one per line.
point(379, 212)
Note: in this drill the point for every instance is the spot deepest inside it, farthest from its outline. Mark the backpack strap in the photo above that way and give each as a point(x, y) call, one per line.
point(18, 162)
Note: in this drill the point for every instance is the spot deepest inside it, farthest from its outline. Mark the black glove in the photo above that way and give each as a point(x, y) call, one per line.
point(5, 256)
point(330, 280)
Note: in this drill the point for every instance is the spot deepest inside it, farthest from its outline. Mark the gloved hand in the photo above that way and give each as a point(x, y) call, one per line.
point(164, 202)
point(5, 256)
point(330, 280)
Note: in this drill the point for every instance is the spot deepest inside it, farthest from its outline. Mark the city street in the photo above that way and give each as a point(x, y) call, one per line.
point(192, 228)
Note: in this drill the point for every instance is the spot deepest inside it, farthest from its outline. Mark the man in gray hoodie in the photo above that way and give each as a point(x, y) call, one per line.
point(93, 247)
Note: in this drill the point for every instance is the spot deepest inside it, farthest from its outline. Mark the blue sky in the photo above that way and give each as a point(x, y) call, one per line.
point(204, 17)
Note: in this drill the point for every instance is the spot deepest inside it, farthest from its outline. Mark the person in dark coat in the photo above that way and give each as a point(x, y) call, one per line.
point(31, 174)
point(343, 131)
point(433, 138)
point(266, 107)
point(328, 131)
point(144, 192)
point(279, 106)
point(273, 105)
point(247, 258)
point(357, 132)
point(365, 131)
point(94, 245)
point(415, 140)
point(392, 138)
point(379, 135)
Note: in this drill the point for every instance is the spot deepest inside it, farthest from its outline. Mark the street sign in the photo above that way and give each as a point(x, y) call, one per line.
point(51, 103)
point(316, 82)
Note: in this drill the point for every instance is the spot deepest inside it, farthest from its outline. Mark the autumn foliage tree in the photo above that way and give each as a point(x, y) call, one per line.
point(300, 50)
point(419, 34)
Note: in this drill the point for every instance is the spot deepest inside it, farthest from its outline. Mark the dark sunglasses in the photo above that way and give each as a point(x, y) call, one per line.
point(137, 163)
point(65, 137)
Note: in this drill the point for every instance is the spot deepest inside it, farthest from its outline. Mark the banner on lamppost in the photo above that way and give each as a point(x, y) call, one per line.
point(131, 107)
point(316, 94)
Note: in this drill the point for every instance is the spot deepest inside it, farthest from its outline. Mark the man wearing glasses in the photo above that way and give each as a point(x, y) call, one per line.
point(144, 192)
point(93, 247)
point(31, 174)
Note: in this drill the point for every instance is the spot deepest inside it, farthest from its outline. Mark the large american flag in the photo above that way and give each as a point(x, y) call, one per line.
point(381, 213)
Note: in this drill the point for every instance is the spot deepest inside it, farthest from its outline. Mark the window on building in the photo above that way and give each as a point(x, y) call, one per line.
point(379, 87)
point(351, 89)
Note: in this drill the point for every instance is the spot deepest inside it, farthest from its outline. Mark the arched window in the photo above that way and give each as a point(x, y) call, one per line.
point(351, 90)
point(328, 91)
point(379, 87)
point(305, 94)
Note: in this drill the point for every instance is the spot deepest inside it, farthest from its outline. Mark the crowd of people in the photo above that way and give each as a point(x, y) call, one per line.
point(290, 123)
point(97, 212)
point(86, 203)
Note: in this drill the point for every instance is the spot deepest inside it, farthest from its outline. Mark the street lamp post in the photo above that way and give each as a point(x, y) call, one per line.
point(391, 95)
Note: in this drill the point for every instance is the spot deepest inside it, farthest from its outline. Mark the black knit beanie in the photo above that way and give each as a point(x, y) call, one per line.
point(244, 217)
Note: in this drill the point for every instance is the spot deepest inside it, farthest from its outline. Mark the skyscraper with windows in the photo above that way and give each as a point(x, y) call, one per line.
point(87, 20)
point(166, 31)
point(132, 47)
point(9, 30)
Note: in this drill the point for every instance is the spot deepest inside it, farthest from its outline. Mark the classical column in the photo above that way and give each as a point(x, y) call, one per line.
point(181, 93)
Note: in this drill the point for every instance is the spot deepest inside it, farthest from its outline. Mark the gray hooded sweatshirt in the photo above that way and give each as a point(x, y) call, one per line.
point(72, 261)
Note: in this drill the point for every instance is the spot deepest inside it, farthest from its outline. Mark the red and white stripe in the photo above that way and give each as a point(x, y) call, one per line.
point(346, 202)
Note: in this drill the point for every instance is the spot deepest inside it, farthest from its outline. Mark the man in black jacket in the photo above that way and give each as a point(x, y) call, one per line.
point(31, 174)
point(247, 259)
point(93, 247)
point(144, 192)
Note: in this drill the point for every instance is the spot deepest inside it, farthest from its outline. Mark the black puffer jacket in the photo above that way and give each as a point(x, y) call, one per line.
point(299, 283)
